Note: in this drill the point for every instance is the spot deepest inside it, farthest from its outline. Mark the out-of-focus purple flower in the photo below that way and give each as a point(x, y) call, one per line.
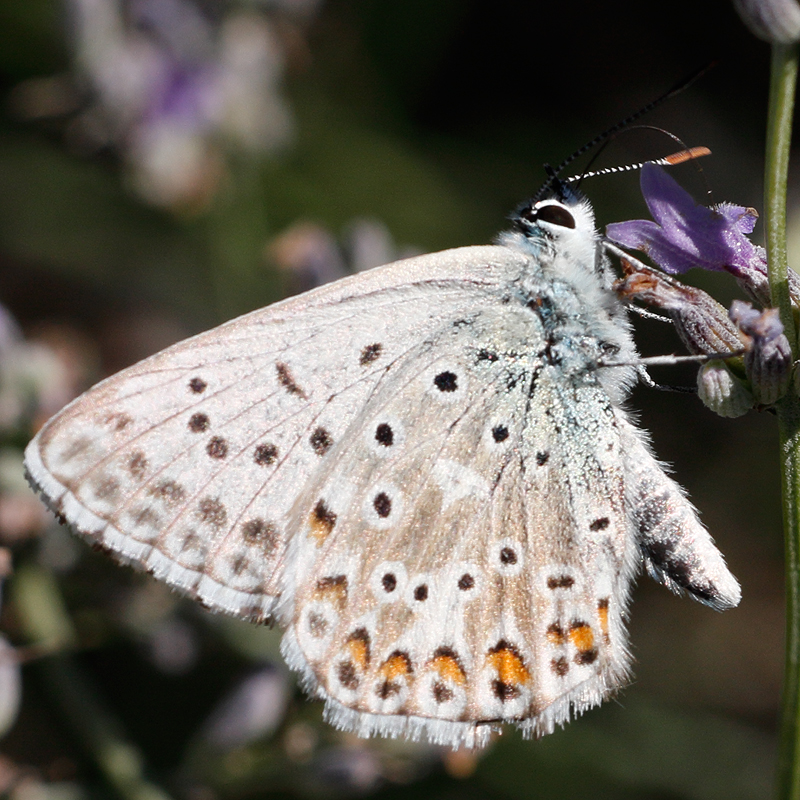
point(35, 382)
point(686, 234)
point(254, 709)
point(173, 88)
point(310, 255)
point(346, 770)
point(173, 646)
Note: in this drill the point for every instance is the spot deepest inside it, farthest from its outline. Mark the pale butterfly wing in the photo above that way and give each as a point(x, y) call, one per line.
point(188, 463)
point(677, 550)
point(482, 592)
point(421, 471)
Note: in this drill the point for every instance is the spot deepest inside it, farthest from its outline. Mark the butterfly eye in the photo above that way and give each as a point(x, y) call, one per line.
point(555, 215)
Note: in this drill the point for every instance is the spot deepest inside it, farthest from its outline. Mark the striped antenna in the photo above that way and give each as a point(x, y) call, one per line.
point(609, 133)
point(680, 157)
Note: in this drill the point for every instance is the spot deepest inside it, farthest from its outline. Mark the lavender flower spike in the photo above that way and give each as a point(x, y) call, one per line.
point(686, 234)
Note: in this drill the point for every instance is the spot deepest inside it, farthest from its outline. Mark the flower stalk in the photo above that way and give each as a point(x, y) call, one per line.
point(779, 130)
point(684, 235)
point(783, 82)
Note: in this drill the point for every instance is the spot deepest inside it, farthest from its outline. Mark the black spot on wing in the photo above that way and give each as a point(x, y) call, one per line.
point(137, 465)
point(446, 381)
point(508, 556)
point(560, 666)
point(265, 454)
point(348, 677)
point(217, 448)
point(382, 504)
point(466, 582)
point(261, 532)
point(212, 511)
point(170, 492)
point(560, 582)
point(442, 693)
point(370, 353)
point(389, 582)
point(199, 422)
point(500, 433)
point(321, 441)
point(384, 434)
point(286, 379)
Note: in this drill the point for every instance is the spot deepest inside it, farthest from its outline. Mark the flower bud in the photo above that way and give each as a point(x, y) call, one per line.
point(721, 391)
point(768, 355)
point(775, 21)
point(702, 323)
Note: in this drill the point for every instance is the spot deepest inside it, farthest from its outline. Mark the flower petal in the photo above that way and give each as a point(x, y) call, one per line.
point(686, 234)
point(669, 203)
point(743, 218)
point(641, 234)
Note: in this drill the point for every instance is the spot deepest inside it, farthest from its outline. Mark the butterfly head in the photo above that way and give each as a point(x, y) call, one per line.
point(560, 218)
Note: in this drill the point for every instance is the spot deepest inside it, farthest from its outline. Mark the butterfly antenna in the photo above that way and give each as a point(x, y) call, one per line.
point(554, 172)
point(680, 157)
point(685, 154)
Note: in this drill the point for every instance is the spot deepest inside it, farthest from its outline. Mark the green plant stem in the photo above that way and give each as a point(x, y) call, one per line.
point(779, 131)
point(783, 82)
point(46, 622)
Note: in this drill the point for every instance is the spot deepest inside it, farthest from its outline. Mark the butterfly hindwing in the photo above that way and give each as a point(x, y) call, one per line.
point(677, 550)
point(468, 601)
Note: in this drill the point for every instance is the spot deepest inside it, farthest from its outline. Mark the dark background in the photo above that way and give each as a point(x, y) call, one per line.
point(434, 118)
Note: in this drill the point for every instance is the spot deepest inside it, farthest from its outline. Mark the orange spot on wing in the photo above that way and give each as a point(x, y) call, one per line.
point(396, 666)
point(321, 522)
point(358, 647)
point(509, 665)
point(332, 588)
point(602, 611)
point(359, 653)
point(581, 635)
point(449, 669)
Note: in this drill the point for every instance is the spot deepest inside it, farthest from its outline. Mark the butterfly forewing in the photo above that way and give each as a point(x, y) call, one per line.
point(189, 462)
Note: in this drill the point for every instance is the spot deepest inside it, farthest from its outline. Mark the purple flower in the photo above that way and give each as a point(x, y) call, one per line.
point(686, 234)
point(764, 326)
point(768, 355)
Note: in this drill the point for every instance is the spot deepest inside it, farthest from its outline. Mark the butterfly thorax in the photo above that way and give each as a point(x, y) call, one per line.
point(568, 285)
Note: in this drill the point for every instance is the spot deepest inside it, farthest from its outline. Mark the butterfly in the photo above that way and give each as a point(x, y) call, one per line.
point(423, 472)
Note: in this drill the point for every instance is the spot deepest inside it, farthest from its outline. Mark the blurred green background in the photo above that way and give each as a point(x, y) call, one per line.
point(168, 164)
